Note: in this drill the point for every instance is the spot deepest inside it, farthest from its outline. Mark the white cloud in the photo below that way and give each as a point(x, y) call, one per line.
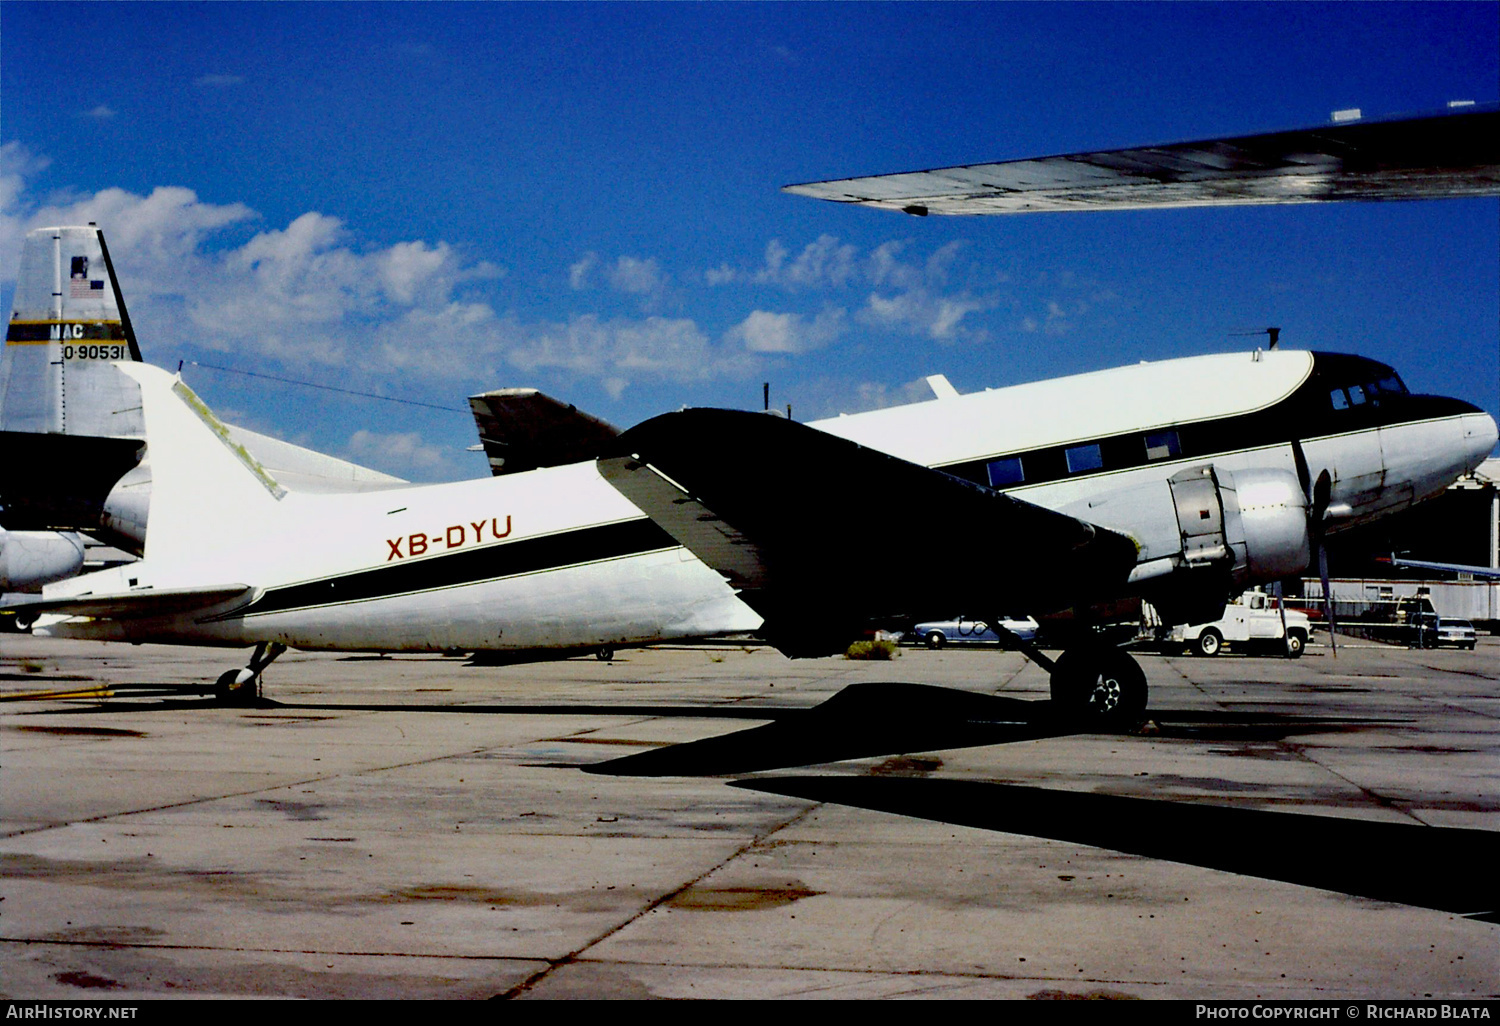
point(766, 332)
point(404, 454)
point(634, 276)
point(620, 351)
point(921, 312)
point(100, 113)
point(218, 81)
point(824, 263)
point(578, 274)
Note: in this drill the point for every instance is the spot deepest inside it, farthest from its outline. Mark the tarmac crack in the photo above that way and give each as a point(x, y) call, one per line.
point(576, 956)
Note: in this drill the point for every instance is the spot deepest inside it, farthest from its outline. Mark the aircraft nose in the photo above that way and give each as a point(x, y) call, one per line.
point(1480, 435)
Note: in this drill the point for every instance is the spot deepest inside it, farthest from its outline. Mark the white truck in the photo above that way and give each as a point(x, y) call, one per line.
point(1250, 623)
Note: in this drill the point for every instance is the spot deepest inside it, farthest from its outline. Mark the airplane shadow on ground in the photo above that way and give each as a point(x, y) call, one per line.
point(1451, 870)
point(874, 719)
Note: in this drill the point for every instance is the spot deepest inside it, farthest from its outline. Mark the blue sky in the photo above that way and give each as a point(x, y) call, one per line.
point(429, 200)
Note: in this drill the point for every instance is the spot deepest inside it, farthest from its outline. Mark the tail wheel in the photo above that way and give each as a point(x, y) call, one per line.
point(604, 653)
point(935, 640)
point(1099, 686)
point(1210, 643)
point(237, 687)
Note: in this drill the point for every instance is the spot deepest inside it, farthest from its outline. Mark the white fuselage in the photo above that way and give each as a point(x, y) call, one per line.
point(557, 558)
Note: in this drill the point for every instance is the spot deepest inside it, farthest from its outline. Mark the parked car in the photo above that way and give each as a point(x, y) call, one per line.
point(964, 630)
point(1458, 633)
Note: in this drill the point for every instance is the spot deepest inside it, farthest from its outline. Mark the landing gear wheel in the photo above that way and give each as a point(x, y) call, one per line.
point(1210, 643)
point(604, 653)
point(1295, 643)
point(237, 687)
point(935, 640)
point(242, 687)
point(1099, 686)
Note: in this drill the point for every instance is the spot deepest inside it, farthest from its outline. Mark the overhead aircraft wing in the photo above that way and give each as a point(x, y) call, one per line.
point(523, 429)
point(1440, 156)
point(820, 535)
point(147, 602)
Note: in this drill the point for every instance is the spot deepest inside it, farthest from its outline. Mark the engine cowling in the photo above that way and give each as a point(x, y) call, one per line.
point(30, 559)
point(1207, 533)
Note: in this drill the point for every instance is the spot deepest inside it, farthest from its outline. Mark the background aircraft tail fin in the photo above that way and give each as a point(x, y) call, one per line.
point(68, 327)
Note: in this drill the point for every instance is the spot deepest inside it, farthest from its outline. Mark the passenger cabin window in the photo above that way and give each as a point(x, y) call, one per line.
point(1162, 445)
point(1006, 472)
point(1083, 458)
point(1339, 399)
point(1356, 395)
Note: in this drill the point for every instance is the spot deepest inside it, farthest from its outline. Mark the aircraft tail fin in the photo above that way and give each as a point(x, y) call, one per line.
point(68, 327)
point(204, 484)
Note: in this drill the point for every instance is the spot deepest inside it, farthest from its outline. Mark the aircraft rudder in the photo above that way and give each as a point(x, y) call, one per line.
point(67, 327)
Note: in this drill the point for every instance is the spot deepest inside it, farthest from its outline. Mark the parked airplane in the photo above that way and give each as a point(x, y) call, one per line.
point(1181, 481)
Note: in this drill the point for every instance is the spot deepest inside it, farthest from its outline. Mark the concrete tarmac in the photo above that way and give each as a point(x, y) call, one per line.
point(417, 827)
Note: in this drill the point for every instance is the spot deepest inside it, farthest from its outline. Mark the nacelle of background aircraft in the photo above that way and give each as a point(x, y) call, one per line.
point(30, 559)
point(1206, 533)
point(126, 509)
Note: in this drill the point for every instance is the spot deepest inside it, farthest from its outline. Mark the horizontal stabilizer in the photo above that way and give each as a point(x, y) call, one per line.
point(59, 482)
point(147, 602)
point(523, 429)
point(820, 535)
point(1441, 156)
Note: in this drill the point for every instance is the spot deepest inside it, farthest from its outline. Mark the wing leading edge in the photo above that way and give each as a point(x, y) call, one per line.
point(1443, 156)
point(821, 535)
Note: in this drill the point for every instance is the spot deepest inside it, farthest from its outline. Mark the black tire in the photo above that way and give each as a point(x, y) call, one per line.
point(1296, 642)
point(230, 690)
point(604, 653)
point(1099, 686)
point(1209, 643)
point(935, 639)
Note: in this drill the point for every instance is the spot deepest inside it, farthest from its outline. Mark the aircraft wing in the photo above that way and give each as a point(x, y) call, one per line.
point(1488, 572)
point(820, 535)
point(1441, 156)
point(147, 602)
point(523, 429)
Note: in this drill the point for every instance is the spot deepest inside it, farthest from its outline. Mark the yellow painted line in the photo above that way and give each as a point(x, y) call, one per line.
point(101, 691)
point(68, 320)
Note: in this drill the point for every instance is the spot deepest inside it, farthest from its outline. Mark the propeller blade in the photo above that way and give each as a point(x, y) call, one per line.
point(1322, 492)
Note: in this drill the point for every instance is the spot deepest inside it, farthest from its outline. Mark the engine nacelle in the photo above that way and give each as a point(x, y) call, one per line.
point(126, 509)
point(1265, 524)
point(1206, 533)
point(30, 559)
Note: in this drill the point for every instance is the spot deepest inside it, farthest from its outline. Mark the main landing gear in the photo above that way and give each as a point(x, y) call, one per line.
point(242, 687)
point(1093, 685)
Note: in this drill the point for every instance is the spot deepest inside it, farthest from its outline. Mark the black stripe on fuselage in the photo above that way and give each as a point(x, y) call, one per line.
point(1306, 414)
point(509, 559)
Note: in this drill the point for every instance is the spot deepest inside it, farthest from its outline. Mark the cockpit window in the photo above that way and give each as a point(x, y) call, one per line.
point(1392, 385)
